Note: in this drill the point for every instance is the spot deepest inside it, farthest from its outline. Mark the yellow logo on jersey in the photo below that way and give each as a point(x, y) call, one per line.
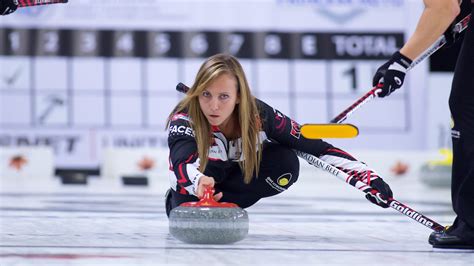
point(283, 182)
point(284, 179)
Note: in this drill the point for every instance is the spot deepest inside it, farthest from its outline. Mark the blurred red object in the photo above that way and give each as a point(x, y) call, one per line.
point(400, 168)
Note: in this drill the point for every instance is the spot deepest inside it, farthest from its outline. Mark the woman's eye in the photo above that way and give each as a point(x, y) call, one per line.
point(224, 96)
point(206, 94)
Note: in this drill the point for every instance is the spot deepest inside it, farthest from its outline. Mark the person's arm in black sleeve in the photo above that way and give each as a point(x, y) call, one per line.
point(350, 165)
point(8, 7)
point(184, 160)
point(284, 130)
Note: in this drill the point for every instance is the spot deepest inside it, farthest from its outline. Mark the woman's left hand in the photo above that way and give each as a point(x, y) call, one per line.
point(384, 189)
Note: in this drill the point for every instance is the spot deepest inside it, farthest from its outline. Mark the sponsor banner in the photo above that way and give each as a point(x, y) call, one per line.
point(134, 162)
point(81, 148)
point(221, 14)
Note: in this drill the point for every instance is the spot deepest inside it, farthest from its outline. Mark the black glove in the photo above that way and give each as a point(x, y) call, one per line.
point(384, 194)
point(8, 6)
point(450, 35)
point(390, 75)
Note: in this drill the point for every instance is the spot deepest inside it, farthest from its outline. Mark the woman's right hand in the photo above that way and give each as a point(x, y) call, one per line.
point(207, 181)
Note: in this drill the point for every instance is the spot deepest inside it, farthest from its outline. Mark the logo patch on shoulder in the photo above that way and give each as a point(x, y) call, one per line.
point(183, 116)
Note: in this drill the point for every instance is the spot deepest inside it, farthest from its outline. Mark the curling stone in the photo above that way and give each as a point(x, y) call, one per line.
point(208, 221)
point(437, 173)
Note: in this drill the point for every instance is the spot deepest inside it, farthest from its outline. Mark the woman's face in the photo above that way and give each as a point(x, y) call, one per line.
point(218, 100)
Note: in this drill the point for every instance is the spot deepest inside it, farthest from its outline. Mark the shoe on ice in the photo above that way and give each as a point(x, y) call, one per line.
point(445, 240)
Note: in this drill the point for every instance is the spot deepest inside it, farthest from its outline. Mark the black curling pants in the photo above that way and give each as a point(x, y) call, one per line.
point(461, 103)
point(279, 169)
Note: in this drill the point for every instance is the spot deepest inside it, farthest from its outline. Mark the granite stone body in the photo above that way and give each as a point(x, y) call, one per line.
point(436, 175)
point(208, 225)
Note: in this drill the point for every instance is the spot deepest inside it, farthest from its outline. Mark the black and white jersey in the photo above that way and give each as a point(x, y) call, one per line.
point(275, 127)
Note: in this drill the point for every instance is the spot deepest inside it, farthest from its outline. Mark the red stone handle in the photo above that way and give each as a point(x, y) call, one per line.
point(208, 201)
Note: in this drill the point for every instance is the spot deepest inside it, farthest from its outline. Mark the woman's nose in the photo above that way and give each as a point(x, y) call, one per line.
point(214, 104)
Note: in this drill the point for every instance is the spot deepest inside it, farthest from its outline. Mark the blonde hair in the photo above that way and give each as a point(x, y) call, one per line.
point(246, 112)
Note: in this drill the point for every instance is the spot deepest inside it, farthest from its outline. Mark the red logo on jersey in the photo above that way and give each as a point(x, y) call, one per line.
point(281, 121)
point(295, 129)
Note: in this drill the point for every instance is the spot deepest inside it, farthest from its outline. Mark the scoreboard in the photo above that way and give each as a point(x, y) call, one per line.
point(81, 80)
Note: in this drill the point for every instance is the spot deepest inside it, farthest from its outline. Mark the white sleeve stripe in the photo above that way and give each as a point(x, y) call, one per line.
point(348, 166)
point(192, 169)
point(193, 173)
point(345, 163)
